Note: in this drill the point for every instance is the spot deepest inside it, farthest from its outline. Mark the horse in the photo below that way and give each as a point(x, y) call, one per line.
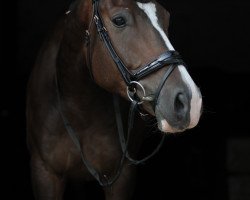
point(108, 64)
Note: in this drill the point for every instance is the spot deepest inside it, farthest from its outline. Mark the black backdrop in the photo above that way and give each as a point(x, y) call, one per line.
point(210, 161)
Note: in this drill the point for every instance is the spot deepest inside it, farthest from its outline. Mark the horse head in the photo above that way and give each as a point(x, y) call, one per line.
point(130, 53)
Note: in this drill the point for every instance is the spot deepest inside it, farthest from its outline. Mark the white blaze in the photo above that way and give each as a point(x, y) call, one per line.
point(150, 10)
point(196, 101)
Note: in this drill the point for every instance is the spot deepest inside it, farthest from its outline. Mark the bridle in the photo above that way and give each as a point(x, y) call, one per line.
point(171, 58)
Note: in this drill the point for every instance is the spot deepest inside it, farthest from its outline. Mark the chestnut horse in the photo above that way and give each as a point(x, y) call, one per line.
point(102, 48)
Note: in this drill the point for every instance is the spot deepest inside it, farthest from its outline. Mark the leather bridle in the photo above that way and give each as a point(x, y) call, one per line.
point(170, 58)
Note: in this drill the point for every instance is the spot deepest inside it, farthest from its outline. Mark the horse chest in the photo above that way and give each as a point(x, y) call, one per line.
point(99, 144)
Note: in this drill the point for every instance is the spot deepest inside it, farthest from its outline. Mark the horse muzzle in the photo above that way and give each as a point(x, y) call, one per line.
point(178, 110)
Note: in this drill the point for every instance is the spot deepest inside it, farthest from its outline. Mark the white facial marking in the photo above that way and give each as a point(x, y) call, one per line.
point(196, 100)
point(150, 10)
point(165, 127)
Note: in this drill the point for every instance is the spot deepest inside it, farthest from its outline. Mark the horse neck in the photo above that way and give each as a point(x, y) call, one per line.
point(73, 75)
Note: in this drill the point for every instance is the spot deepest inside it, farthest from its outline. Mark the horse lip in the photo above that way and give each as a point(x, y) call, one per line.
point(164, 126)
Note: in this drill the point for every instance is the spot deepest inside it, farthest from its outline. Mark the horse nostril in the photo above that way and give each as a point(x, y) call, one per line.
point(180, 105)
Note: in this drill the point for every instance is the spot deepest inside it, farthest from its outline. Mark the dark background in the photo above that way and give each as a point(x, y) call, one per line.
point(209, 162)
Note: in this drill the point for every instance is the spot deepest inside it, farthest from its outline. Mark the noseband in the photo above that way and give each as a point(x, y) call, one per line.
point(169, 58)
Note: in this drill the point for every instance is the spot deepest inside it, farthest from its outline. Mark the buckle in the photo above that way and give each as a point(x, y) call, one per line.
point(131, 92)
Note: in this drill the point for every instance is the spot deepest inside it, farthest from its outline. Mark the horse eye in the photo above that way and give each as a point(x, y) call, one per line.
point(119, 22)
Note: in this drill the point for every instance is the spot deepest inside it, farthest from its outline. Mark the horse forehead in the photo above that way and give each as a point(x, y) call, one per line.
point(120, 2)
point(151, 10)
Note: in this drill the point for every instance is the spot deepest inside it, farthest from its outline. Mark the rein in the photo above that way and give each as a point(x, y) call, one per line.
point(171, 58)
